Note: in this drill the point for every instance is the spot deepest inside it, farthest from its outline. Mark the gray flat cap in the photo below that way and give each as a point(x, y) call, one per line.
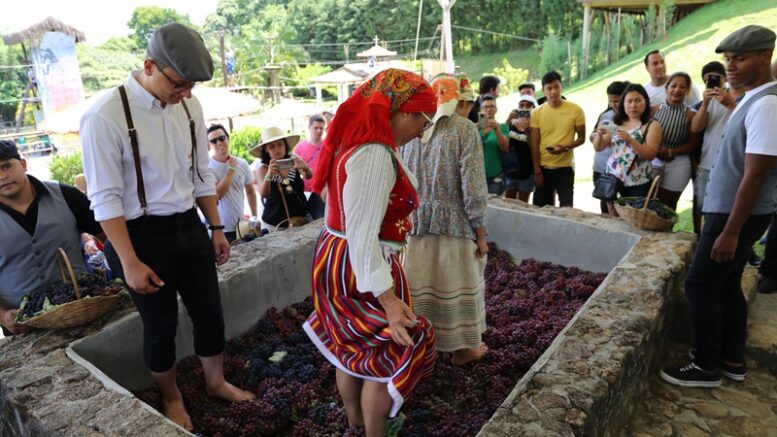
point(183, 50)
point(752, 38)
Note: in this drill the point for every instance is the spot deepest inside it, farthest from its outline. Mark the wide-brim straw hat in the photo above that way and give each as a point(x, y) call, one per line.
point(270, 135)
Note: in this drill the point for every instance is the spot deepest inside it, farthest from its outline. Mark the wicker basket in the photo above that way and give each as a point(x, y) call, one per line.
point(643, 218)
point(77, 312)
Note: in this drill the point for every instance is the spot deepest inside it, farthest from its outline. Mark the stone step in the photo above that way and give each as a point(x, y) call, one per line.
point(762, 331)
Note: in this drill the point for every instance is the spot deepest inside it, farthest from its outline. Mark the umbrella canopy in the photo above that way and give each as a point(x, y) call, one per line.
point(376, 51)
point(217, 103)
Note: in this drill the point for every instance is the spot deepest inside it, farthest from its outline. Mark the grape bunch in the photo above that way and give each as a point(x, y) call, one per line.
point(654, 205)
point(527, 305)
point(49, 296)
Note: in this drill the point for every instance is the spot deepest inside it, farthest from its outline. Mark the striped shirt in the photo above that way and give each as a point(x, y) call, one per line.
point(674, 124)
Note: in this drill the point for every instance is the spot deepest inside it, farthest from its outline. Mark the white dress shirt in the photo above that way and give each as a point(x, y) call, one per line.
point(165, 145)
point(371, 177)
point(657, 95)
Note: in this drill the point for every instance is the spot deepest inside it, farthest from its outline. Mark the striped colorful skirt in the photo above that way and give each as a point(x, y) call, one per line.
point(350, 327)
point(448, 288)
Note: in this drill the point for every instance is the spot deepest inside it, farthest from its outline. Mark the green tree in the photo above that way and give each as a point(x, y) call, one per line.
point(564, 17)
point(12, 81)
point(147, 18)
point(102, 67)
point(242, 140)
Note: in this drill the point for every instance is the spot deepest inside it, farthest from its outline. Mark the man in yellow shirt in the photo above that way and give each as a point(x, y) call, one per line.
point(557, 127)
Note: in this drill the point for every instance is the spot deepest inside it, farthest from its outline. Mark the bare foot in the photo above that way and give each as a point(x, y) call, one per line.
point(230, 393)
point(464, 356)
point(176, 411)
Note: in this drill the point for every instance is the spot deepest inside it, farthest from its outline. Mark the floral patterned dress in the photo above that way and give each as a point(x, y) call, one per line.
point(626, 165)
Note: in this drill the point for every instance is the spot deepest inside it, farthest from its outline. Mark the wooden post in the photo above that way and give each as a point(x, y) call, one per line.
point(618, 37)
point(608, 30)
point(223, 57)
point(586, 39)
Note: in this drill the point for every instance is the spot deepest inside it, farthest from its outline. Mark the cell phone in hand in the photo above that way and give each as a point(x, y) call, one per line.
point(713, 81)
point(609, 126)
point(482, 121)
point(285, 164)
point(524, 114)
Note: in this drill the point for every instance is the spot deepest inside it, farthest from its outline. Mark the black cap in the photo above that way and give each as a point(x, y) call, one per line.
point(525, 85)
point(751, 38)
point(182, 49)
point(8, 150)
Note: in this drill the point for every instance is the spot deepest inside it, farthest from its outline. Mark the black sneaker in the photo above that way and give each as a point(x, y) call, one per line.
point(691, 376)
point(766, 285)
point(737, 373)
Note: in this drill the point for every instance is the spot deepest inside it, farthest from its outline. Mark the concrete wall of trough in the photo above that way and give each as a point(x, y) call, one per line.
point(54, 383)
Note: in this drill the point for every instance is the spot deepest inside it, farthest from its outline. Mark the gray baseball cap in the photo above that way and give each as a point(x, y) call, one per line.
point(751, 38)
point(183, 50)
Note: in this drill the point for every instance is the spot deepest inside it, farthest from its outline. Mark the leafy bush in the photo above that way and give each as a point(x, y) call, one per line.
point(240, 142)
point(64, 168)
point(555, 56)
point(513, 77)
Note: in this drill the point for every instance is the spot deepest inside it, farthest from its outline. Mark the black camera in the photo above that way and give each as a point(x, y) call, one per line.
point(713, 81)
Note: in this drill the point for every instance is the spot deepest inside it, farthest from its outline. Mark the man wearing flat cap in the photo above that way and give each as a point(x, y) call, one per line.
point(36, 218)
point(738, 205)
point(146, 164)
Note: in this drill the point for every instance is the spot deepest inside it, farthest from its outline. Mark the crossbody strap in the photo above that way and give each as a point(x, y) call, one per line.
point(133, 134)
point(194, 142)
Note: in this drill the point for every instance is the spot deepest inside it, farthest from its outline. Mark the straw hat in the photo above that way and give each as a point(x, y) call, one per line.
point(271, 134)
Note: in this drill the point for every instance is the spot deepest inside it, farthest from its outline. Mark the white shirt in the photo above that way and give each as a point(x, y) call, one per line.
point(165, 147)
point(717, 117)
point(371, 177)
point(231, 205)
point(760, 122)
point(657, 95)
point(601, 157)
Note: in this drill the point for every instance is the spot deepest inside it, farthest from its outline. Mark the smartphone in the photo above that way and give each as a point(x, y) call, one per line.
point(713, 81)
point(285, 164)
point(482, 121)
point(609, 126)
point(524, 114)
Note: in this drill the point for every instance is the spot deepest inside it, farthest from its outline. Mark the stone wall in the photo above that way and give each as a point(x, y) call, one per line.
point(587, 382)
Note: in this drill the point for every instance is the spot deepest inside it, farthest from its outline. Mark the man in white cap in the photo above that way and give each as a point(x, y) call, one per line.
point(738, 206)
point(146, 163)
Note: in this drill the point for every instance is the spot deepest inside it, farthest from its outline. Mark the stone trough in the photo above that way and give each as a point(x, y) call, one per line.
point(78, 381)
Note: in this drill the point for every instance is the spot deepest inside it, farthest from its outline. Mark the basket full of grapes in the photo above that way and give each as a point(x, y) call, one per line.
point(74, 301)
point(646, 213)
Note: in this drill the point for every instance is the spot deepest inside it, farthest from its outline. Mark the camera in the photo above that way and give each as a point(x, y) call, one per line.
point(713, 81)
point(285, 164)
point(482, 121)
point(524, 113)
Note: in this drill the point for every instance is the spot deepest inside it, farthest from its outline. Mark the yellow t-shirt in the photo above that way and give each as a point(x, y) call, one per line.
point(557, 126)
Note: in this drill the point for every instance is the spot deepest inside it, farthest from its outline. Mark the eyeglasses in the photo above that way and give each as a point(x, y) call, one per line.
point(214, 141)
point(429, 121)
point(178, 87)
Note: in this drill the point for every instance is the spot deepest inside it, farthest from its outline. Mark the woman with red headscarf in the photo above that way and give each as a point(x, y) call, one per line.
point(363, 321)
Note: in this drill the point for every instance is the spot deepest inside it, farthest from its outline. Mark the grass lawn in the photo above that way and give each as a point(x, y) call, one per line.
point(477, 65)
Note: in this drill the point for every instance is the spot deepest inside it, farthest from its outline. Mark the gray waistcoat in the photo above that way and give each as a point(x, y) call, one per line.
point(729, 168)
point(28, 261)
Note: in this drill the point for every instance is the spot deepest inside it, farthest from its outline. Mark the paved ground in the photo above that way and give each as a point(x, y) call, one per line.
point(738, 409)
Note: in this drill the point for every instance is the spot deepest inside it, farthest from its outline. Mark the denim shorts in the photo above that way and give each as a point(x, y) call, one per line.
point(522, 185)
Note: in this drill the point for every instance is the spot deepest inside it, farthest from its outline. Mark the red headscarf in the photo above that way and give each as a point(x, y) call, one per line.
point(366, 116)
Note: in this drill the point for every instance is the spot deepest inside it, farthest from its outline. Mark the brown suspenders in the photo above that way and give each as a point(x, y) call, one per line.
point(136, 152)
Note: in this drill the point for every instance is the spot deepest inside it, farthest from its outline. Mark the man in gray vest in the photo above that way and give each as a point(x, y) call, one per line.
point(738, 205)
point(35, 219)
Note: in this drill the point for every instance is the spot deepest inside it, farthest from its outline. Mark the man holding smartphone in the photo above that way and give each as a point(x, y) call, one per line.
point(495, 142)
point(557, 127)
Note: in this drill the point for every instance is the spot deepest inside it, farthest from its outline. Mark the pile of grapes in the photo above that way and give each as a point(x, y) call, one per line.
point(654, 205)
point(49, 296)
point(526, 305)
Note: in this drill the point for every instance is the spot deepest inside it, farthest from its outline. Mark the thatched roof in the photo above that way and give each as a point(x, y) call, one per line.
point(33, 34)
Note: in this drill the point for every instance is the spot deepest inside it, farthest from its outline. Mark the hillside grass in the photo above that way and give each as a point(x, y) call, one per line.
point(478, 65)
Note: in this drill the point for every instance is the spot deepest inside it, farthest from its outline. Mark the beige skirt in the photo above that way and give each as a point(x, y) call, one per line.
point(447, 285)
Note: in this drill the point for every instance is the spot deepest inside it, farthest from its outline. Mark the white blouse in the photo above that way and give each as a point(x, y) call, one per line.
point(371, 177)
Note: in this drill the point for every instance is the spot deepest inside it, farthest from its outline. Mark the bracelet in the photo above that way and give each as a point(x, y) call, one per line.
point(216, 227)
point(231, 167)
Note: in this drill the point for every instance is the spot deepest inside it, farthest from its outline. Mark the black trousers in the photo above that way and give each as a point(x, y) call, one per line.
point(602, 203)
point(178, 249)
point(316, 206)
point(557, 180)
point(714, 290)
point(769, 263)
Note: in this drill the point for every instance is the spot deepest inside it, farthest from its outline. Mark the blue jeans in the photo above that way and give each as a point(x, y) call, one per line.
point(495, 185)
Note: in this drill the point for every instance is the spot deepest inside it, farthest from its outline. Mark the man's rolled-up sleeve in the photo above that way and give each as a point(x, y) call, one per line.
point(103, 168)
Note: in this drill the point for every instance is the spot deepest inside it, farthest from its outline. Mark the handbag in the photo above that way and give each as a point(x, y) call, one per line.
point(608, 185)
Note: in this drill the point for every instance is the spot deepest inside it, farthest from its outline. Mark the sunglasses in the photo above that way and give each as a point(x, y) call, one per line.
point(214, 141)
point(178, 87)
point(429, 122)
